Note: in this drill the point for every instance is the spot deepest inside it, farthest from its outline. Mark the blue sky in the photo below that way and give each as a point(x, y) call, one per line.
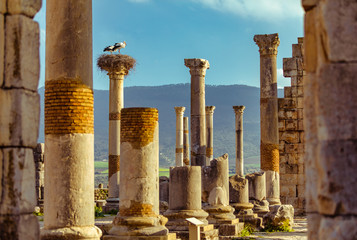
point(161, 33)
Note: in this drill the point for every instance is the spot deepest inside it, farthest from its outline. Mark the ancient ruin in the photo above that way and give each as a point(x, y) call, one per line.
point(39, 158)
point(269, 135)
point(186, 142)
point(239, 110)
point(198, 69)
point(291, 133)
point(117, 66)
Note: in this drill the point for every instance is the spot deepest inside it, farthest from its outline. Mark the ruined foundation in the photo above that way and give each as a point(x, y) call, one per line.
point(139, 216)
point(269, 135)
point(198, 69)
point(185, 202)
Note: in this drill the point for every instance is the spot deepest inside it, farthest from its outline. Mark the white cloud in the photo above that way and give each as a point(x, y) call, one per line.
point(282, 81)
point(267, 10)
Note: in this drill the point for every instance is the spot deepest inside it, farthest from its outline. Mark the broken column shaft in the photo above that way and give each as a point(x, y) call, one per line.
point(269, 135)
point(139, 179)
point(69, 122)
point(209, 133)
point(186, 142)
point(238, 110)
point(179, 135)
point(198, 69)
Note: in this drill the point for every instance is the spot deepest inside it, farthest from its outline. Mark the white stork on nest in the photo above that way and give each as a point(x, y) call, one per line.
point(115, 47)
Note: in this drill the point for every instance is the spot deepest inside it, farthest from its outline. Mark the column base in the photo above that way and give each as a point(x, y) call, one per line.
point(274, 201)
point(219, 213)
point(260, 207)
point(177, 218)
point(71, 233)
point(229, 228)
point(112, 204)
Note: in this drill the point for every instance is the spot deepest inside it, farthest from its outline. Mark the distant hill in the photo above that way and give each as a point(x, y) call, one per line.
point(165, 98)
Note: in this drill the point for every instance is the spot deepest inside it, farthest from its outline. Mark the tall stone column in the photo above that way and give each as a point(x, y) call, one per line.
point(238, 110)
point(186, 142)
point(117, 66)
point(39, 157)
point(179, 136)
point(198, 69)
point(269, 133)
point(139, 192)
point(69, 122)
point(209, 133)
point(19, 118)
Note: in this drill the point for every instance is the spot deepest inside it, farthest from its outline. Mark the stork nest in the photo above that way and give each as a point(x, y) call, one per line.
point(115, 62)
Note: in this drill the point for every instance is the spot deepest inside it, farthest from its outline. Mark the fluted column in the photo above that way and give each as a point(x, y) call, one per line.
point(198, 69)
point(186, 142)
point(69, 122)
point(179, 136)
point(239, 110)
point(209, 133)
point(269, 135)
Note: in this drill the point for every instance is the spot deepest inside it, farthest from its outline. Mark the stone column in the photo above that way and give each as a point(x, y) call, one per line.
point(238, 110)
point(139, 179)
point(330, 111)
point(39, 157)
point(198, 69)
point(269, 133)
point(257, 192)
point(117, 66)
point(179, 136)
point(19, 118)
point(209, 133)
point(186, 142)
point(69, 122)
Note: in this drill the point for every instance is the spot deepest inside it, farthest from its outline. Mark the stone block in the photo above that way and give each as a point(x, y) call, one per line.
point(288, 191)
point(230, 229)
point(291, 125)
point(281, 149)
point(339, 227)
point(290, 137)
point(18, 174)
point(288, 179)
point(22, 63)
point(296, 81)
point(313, 221)
point(19, 227)
point(3, 6)
point(289, 114)
point(297, 50)
point(25, 7)
point(337, 101)
point(290, 67)
point(301, 137)
point(292, 158)
point(297, 91)
point(287, 92)
point(19, 118)
point(300, 102)
point(301, 191)
point(339, 29)
point(290, 200)
point(281, 158)
point(281, 125)
point(279, 214)
point(287, 103)
point(294, 148)
point(301, 180)
point(338, 160)
point(300, 125)
point(2, 47)
point(310, 47)
point(300, 113)
point(290, 168)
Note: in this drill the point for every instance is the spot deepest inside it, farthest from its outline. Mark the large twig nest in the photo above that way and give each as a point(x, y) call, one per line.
point(115, 62)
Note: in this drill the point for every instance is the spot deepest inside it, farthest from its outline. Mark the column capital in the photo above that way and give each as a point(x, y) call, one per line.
point(239, 109)
point(180, 110)
point(197, 66)
point(267, 43)
point(210, 109)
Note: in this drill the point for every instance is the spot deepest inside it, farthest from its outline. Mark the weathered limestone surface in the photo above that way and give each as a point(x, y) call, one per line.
point(179, 156)
point(291, 133)
point(209, 133)
point(69, 122)
point(239, 110)
point(198, 69)
point(186, 142)
point(164, 188)
point(39, 159)
point(25, 7)
point(257, 192)
point(139, 192)
point(19, 120)
point(269, 135)
point(329, 118)
point(279, 214)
